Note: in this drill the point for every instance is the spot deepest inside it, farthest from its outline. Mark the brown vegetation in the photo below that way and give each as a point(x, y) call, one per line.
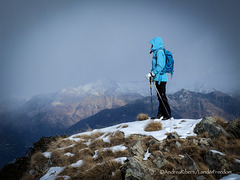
point(142, 117)
point(153, 126)
point(219, 120)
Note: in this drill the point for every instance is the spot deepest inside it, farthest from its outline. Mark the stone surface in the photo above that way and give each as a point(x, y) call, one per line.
point(218, 162)
point(208, 124)
point(233, 127)
point(173, 135)
point(191, 163)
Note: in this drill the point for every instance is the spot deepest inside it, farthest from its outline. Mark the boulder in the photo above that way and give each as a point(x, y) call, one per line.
point(172, 135)
point(208, 124)
point(233, 128)
point(135, 168)
point(219, 163)
point(192, 165)
point(159, 159)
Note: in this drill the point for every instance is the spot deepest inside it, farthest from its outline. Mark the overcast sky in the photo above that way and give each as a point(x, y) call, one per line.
point(47, 45)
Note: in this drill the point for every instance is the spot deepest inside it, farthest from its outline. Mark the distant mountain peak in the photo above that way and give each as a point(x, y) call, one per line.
point(103, 86)
point(203, 88)
point(94, 88)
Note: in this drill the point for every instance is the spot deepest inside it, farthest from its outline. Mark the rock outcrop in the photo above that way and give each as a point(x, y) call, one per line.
point(190, 158)
point(208, 124)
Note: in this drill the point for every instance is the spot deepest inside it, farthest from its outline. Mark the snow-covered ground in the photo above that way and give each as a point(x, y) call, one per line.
point(183, 127)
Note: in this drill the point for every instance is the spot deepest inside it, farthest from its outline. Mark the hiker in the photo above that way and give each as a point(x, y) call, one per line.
point(158, 63)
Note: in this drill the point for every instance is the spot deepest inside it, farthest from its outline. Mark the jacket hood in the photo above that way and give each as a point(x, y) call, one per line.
point(157, 43)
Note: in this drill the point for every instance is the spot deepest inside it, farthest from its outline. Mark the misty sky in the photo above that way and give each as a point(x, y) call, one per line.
point(47, 45)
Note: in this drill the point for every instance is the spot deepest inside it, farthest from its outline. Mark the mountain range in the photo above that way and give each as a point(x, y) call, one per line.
point(95, 105)
point(184, 104)
point(24, 122)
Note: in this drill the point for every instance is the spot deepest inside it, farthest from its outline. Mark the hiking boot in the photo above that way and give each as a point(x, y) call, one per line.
point(166, 118)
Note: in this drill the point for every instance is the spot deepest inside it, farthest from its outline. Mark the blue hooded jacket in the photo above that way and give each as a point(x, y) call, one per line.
point(158, 60)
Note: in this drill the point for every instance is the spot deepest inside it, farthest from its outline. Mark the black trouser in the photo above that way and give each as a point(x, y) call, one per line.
point(163, 101)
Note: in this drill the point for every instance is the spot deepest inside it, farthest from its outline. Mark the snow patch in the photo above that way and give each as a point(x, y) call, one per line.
point(217, 152)
point(137, 127)
point(147, 155)
point(67, 146)
point(47, 154)
point(231, 177)
point(95, 154)
point(120, 159)
point(52, 173)
point(77, 164)
point(116, 148)
point(237, 160)
point(69, 154)
point(89, 142)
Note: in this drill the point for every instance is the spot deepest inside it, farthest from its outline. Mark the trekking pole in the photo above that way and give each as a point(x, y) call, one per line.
point(150, 79)
point(162, 100)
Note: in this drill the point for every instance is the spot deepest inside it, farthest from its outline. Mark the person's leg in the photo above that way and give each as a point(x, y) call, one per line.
point(159, 114)
point(160, 106)
point(164, 107)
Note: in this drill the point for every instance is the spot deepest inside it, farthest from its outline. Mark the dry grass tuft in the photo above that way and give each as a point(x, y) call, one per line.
point(122, 126)
point(142, 117)
point(38, 165)
point(107, 170)
point(38, 161)
point(69, 171)
point(204, 135)
point(55, 144)
point(76, 148)
point(229, 146)
point(220, 142)
point(117, 138)
point(131, 140)
point(219, 120)
point(98, 144)
point(81, 155)
point(153, 126)
point(65, 143)
point(59, 159)
point(125, 126)
point(93, 135)
point(125, 153)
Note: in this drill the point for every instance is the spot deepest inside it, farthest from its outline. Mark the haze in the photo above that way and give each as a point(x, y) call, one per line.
point(49, 45)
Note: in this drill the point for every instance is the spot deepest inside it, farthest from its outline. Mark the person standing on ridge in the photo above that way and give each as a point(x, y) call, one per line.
point(158, 63)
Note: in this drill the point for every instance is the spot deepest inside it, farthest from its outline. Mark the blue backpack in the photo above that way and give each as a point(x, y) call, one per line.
point(169, 66)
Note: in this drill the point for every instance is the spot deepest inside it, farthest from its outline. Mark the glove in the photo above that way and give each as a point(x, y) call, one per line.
point(150, 75)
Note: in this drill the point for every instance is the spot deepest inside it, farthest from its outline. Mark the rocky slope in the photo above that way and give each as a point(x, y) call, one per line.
point(181, 149)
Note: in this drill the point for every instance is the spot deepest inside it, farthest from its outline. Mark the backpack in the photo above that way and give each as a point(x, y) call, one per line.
point(169, 66)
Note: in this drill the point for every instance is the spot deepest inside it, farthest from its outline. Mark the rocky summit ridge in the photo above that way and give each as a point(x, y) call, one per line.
point(175, 149)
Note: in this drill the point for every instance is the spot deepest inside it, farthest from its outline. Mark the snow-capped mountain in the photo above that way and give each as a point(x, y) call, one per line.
point(104, 86)
point(203, 88)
